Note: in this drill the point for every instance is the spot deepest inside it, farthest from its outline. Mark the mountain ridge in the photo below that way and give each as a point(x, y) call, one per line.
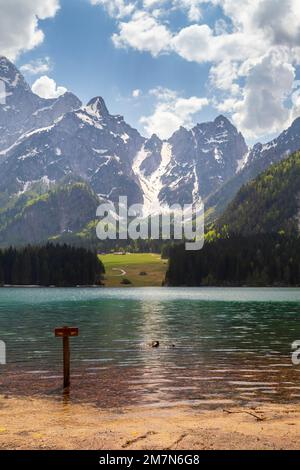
point(44, 142)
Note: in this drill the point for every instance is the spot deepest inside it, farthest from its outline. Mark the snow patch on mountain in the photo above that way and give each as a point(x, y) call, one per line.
point(152, 185)
point(242, 162)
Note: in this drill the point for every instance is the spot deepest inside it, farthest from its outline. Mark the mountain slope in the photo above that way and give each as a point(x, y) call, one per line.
point(88, 143)
point(191, 164)
point(259, 158)
point(44, 143)
point(23, 111)
point(270, 203)
point(64, 210)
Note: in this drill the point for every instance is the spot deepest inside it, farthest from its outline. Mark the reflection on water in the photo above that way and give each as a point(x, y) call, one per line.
point(231, 344)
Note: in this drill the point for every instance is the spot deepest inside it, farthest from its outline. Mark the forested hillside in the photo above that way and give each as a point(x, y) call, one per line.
point(62, 211)
point(257, 260)
point(270, 203)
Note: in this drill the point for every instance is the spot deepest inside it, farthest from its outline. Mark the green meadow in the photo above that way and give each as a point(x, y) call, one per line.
point(134, 269)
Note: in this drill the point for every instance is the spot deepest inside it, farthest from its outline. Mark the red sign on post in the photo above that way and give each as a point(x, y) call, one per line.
point(65, 332)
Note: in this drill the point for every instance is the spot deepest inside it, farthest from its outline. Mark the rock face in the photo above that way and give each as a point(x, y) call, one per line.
point(153, 148)
point(23, 111)
point(199, 161)
point(87, 143)
point(257, 160)
point(208, 158)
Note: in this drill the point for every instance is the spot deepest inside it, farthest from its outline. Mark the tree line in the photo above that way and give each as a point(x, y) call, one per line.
point(256, 260)
point(57, 265)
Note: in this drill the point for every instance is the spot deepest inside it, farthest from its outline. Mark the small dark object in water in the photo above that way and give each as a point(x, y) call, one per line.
point(155, 344)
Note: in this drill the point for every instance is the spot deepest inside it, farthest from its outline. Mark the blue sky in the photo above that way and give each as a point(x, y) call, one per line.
point(164, 63)
point(85, 61)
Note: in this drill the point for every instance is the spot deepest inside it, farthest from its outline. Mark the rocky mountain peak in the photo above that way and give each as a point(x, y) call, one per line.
point(11, 76)
point(66, 102)
point(222, 121)
point(154, 141)
point(97, 107)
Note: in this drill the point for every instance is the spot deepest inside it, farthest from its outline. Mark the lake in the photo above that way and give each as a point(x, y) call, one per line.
point(217, 346)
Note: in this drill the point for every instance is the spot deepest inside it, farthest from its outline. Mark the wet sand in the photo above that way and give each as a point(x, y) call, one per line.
point(45, 423)
point(206, 385)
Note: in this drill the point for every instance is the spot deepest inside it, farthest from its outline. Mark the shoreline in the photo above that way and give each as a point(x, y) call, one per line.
point(33, 286)
point(8, 286)
point(43, 423)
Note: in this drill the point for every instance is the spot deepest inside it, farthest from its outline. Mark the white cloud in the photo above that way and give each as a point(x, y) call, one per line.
point(224, 75)
point(136, 93)
point(221, 27)
point(253, 52)
point(192, 7)
point(143, 33)
point(36, 67)
point(171, 112)
point(116, 8)
point(257, 26)
point(46, 87)
point(269, 83)
point(19, 24)
point(295, 111)
point(275, 21)
point(153, 3)
point(229, 105)
point(123, 8)
point(198, 43)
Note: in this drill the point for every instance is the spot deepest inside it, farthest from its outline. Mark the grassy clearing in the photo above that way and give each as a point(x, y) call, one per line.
point(130, 266)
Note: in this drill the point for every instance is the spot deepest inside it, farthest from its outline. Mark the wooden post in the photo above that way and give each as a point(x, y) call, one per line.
point(65, 333)
point(66, 346)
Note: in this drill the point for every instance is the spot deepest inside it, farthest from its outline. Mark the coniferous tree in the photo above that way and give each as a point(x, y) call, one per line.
point(57, 265)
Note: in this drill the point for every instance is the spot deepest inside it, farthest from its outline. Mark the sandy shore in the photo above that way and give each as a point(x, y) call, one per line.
point(39, 423)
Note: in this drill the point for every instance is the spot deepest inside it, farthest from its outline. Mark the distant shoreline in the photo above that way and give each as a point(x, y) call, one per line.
point(17, 286)
point(146, 287)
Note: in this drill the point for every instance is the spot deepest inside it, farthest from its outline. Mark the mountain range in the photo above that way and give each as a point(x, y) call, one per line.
point(59, 154)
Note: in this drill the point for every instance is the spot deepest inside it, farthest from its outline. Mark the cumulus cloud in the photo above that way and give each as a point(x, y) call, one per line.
point(198, 43)
point(123, 8)
point(295, 98)
point(224, 75)
point(269, 83)
point(246, 48)
point(275, 21)
point(171, 112)
point(19, 24)
point(46, 87)
point(136, 93)
point(192, 7)
point(116, 8)
point(143, 33)
point(36, 67)
point(229, 105)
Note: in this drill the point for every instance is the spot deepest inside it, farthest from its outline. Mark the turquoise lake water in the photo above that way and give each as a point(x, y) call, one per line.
point(216, 345)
